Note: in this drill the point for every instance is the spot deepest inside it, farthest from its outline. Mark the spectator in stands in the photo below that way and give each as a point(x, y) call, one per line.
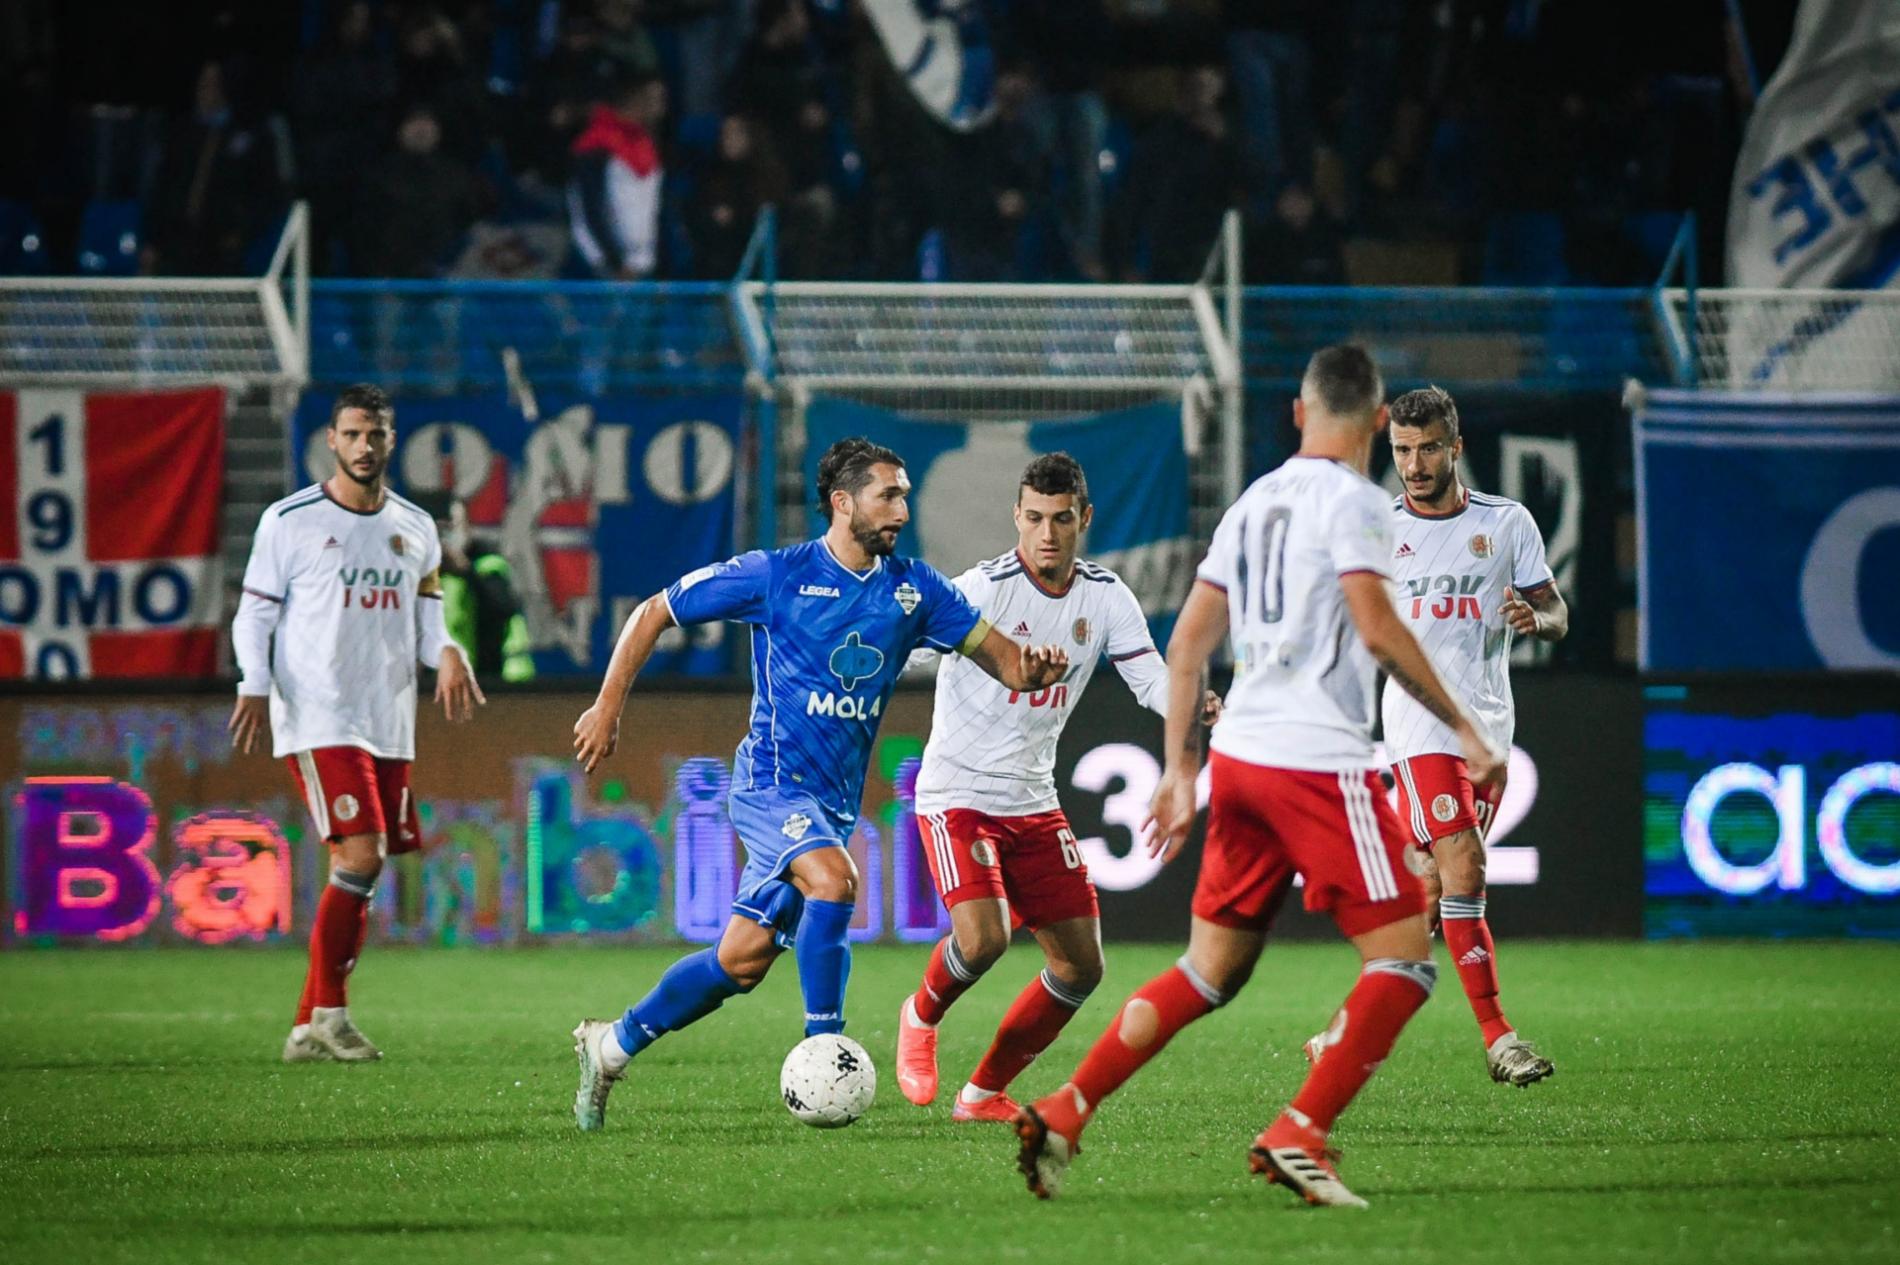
point(1069, 42)
point(432, 67)
point(710, 35)
point(740, 180)
point(1270, 57)
point(626, 49)
point(1299, 244)
point(613, 188)
point(1181, 183)
point(781, 81)
point(416, 205)
point(340, 98)
point(994, 185)
point(220, 182)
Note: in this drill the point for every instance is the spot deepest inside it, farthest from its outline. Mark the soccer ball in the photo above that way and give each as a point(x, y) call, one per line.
point(827, 1081)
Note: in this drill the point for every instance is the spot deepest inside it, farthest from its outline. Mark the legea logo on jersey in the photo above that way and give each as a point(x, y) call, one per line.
point(372, 588)
point(1451, 596)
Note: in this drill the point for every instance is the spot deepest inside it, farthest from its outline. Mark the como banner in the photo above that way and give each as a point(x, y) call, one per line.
point(109, 513)
point(1772, 807)
point(130, 820)
point(1768, 531)
point(595, 504)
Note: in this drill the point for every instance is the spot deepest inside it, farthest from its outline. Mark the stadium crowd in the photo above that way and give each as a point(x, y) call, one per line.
point(1508, 141)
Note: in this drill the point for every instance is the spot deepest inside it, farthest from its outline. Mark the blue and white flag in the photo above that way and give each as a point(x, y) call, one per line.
point(941, 48)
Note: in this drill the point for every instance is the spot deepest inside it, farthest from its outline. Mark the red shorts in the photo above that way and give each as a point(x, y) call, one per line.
point(1031, 862)
point(1335, 829)
point(1437, 799)
point(351, 792)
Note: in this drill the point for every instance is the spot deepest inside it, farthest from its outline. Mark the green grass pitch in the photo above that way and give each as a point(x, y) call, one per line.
point(1718, 1102)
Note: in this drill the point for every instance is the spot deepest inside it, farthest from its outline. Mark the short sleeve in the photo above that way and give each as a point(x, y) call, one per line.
point(1360, 534)
point(266, 575)
point(1128, 635)
point(736, 589)
point(1530, 569)
point(949, 614)
point(974, 585)
point(1217, 568)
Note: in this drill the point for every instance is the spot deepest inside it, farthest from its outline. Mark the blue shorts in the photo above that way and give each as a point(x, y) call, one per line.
point(775, 826)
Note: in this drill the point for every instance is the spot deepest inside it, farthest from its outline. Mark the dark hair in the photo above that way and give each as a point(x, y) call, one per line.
point(1053, 474)
point(1424, 406)
point(846, 467)
point(366, 396)
point(1345, 380)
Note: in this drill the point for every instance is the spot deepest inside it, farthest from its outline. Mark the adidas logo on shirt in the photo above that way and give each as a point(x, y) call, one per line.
point(1405, 551)
point(331, 543)
point(1021, 629)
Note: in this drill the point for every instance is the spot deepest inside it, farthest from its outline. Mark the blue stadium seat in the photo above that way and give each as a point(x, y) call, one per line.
point(1525, 248)
point(110, 234)
point(22, 242)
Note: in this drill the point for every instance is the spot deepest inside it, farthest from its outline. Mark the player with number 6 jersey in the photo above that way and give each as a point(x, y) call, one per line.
point(1473, 577)
point(998, 846)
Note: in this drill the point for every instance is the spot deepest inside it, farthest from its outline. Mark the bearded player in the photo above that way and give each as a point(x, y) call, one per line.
point(1473, 575)
point(341, 600)
point(833, 621)
point(999, 847)
point(1298, 575)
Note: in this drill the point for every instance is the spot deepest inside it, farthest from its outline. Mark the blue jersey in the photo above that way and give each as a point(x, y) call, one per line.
point(827, 646)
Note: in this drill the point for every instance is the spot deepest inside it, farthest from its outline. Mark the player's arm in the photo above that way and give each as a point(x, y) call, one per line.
point(455, 687)
point(1397, 652)
point(260, 606)
point(1141, 666)
point(597, 732)
point(1540, 612)
point(1197, 633)
point(1021, 668)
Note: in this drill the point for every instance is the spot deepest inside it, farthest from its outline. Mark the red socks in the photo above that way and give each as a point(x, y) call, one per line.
point(1146, 1022)
point(1034, 1020)
point(947, 978)
point(1468, 937)
point(1387, 995)
point(335, 941)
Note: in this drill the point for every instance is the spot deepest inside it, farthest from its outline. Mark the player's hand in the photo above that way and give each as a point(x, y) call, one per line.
point(1043, 665)
point(249, 718)
point(455, 687)
point(1210, 710)
point(596, 734)
point(1521, 615)
point(1170, 815)
point(1484, 762)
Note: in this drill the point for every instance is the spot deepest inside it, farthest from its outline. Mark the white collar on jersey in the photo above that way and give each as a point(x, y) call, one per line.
point(877, 563)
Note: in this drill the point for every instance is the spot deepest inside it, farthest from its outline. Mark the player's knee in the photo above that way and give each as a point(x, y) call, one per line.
point(838, 886)
point(359, 854)
point(982, 947)
point(1460, 869)
point(747, 969)
point(1082, 973)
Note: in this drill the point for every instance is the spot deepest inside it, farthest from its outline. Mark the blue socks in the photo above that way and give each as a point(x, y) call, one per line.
point(824, 963)
point(691, 989)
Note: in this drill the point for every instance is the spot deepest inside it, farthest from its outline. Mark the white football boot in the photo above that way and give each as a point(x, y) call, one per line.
point(1513, 1062)
point(330, 1028)
point(590, 1100)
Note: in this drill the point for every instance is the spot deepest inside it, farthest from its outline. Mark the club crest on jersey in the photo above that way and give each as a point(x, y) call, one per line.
point(344, 807)
point(795, 827)
point(397, 545)
point(854, 661)
point(983, 852)
point(1444, 807)
point(1481, 546)
point(907, 597)
point(1081, 632)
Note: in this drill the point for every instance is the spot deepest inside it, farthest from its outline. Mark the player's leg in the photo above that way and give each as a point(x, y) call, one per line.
point(960, 847)
point(979, 936)
point(1353, 857)
point(1072, 949)
point(687, 991)
point(1049, 888)
point(1461, 909)
point(828, 879)
point(1243, 880)
point(340, 788)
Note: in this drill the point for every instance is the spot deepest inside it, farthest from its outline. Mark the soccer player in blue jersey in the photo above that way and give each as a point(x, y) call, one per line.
point(833, 621)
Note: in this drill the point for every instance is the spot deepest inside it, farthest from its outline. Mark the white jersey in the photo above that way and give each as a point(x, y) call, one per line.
point(342, 671)
point(993, 749)
point(1453, 570)
point(1303, 680)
